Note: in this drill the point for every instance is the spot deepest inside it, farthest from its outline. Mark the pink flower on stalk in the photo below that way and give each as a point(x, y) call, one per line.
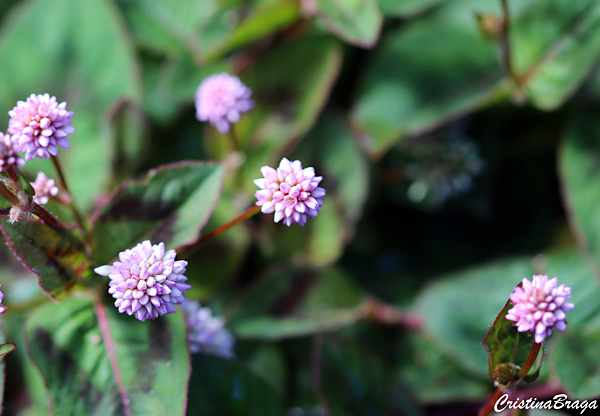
point(539, 306)
point(8, 154)
point(40, 125)
point(2, 308)
point(221, 99)
point(147, 282)
point(207, 334)
point(290, 191)
point(44, 188)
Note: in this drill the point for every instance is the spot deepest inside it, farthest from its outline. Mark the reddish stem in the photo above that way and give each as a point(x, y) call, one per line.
point(112, 354)
point(489, 406)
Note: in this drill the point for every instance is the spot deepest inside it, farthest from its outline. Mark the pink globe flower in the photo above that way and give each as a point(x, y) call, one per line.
point(44, 188)
point(8, 154)
point(539, 306)
point(290, 191)
point(147, 282)
point(207, 334)
point(221, 99)
point(40, 125)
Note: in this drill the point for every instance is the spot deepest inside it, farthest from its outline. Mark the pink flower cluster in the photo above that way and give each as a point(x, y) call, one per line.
point(44, 188)
point(147, 281)
point(539, 306)
point(8, 155)
point(291, 192)
point(221, 99)
point(39, 125)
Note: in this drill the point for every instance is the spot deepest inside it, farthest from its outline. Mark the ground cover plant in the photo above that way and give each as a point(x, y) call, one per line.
point(299, 207)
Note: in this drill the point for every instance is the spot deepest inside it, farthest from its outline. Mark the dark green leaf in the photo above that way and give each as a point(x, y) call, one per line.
point(55, 254)
point(508, 348)
point(355, 21)
point(555, 44)
point(68, 347)
point(427, 73)
point(171, 205)
point(404, 8)
point(224, 387)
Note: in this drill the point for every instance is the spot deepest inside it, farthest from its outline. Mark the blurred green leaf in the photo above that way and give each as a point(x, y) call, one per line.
point(576, 360)
point(67, 346)
point(170, 28)
point(67, 57)
point(55, 254)
point(406, 8)
point(579, 167)
point(171, 205)
point(357, 22)
point(508, 349)
point(288, 102)
point(225, 387)
point(265, 19)
point(311, 322)
point(434, 378)
point(427, 73)
point(555, 44)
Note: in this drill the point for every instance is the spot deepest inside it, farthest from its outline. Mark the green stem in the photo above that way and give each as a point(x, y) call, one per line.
point(81, 220)
point(235, 143)
point(8, 195)
point(184, 251)
point(505, 44)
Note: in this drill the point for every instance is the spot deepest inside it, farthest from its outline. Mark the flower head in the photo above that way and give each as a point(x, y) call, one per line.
point(2, 308)
point(290, 191)
point(44, 188)
point(8, 154)
point(207, 334)
point(221, 99)
point(539, 306)
point(147, 281)
point(39, 125)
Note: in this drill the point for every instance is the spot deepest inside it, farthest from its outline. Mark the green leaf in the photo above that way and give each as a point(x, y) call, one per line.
point(288, 102)
point(73, 54)
point(57, 255)
point(265, 19)
point(427, 73)
point(579, 165)
point(406, 8)
point(78, 366)
point(576, 360)
point(555, 44)
point(508, 348)
point(225, 387)
point(6, 348)
point(170, 28)
point(171, 205)
point(355, 21)
point(315, 321)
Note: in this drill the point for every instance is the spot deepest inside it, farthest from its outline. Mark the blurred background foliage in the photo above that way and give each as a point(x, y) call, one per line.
point(460, 150)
